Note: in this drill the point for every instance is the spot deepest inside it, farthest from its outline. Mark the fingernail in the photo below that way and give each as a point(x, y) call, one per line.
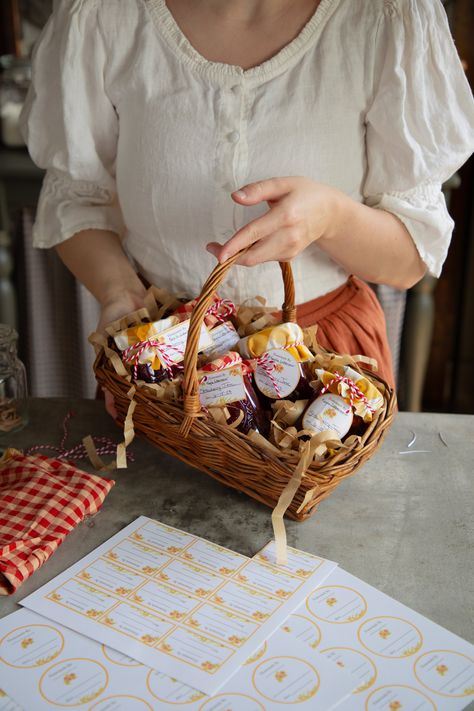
point(240, 194)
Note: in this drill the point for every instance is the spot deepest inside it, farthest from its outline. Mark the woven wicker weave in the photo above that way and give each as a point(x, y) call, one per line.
point(223, 453)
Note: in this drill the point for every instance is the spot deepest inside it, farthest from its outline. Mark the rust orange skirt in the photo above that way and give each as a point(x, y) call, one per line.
point(350, 320)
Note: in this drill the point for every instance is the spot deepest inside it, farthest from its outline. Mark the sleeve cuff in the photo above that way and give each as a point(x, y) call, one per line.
point(424, 213)
point(66, 206)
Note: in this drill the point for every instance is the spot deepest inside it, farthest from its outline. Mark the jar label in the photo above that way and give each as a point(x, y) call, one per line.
point(328, 412)
point(277, 373)
point(221, 387)
point(173, 341)
point(225, 337)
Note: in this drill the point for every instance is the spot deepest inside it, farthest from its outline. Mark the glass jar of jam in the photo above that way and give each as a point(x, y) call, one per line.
point(280, 361)
point(225, 382)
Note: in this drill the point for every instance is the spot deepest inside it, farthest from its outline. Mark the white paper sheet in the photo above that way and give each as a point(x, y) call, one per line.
point(178, 603)
point(43, 665)
point(404, 661)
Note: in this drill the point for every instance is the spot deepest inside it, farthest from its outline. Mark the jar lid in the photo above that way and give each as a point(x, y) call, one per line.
point(7, 334)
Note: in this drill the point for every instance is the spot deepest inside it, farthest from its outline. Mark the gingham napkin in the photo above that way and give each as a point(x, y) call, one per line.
point(41, 501)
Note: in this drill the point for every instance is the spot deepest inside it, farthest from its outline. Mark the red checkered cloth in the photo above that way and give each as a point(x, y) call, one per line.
point(41, 501)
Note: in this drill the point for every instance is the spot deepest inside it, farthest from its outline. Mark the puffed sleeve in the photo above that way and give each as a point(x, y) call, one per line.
point(70, 126)
point(420, 124)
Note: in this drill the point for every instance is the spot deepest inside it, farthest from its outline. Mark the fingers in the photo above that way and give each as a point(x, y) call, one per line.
point(282, 246)
point(258, 229)
point(272, 189)
point(216, 249)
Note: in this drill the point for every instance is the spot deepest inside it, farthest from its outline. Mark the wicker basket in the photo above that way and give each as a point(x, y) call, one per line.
point(224, 453)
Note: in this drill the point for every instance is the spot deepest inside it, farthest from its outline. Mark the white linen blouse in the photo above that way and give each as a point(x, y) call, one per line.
point(142, 135)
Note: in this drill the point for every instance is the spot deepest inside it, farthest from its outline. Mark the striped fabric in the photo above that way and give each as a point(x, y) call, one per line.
point(41, 501)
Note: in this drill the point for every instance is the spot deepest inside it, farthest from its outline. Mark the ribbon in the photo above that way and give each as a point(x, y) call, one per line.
point(97, 446)
point(354, 391)
point(221, 309)
point(132, 354)
point(266, 363)
point(268, 366)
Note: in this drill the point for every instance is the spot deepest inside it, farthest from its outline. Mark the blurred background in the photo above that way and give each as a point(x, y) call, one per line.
point(431, 327)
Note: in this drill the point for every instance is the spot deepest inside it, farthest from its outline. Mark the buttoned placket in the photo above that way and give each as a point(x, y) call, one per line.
point(231, 162)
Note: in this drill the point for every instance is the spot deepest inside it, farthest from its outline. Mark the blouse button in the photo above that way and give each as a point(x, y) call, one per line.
point(233, 136)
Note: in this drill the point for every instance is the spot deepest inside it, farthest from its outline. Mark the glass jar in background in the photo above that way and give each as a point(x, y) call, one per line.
point(13, 387)
point(14, 81)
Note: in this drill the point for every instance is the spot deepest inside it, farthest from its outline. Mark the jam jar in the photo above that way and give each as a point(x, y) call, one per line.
point(13, 387)
point(226, 382)
point(280, 361)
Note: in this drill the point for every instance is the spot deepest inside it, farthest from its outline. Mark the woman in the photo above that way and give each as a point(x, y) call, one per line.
point(316, 131)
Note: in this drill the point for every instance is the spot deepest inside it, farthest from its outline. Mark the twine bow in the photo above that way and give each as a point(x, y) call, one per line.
point(268, 365)
point(354, 391)
point(132, 354)
point(221, 309)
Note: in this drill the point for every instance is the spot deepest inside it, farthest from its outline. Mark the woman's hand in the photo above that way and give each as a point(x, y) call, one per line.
point(117, 306)
point(301, 211)
point(114, 309)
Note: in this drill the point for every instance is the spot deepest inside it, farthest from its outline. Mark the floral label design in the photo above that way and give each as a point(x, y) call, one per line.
point(398, 698)
point(328, 413)
point(286, 680)
point(168, 540)
point(141, 558)
point(245, 601)
point(353, 661)
point(268, 580)
point(113, 578)
point(201, 652)
point(136, 623)
point(390, 637)
point(73, 682)
point(277, 374)
point(171, 691)
point(189, 578)
point(336, 604)
point(31, 646)
point(256, 655)
point(82, 598)
point(215, 558)
point(303, 630)
point(164, 600)
point(214, 621)
point(445, 672)
point(221, 387)
point(299, 563)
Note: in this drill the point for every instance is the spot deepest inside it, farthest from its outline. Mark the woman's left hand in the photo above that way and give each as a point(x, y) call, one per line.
point(301, 211)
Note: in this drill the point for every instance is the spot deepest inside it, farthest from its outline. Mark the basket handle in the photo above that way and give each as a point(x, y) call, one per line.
point(191, 403)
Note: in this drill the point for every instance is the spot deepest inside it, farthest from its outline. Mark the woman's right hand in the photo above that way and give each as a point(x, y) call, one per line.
point(111, 311)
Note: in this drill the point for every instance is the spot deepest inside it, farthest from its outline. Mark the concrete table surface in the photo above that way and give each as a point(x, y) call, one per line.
point(402, 523)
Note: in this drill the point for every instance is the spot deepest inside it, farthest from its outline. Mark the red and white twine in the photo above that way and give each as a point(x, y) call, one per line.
point(221, 309)
point(354, 391)
point(133, 353)
point(104, 446)
point(268, 365)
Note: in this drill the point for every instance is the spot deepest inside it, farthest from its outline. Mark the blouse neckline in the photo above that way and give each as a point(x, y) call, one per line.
point(182, 47)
